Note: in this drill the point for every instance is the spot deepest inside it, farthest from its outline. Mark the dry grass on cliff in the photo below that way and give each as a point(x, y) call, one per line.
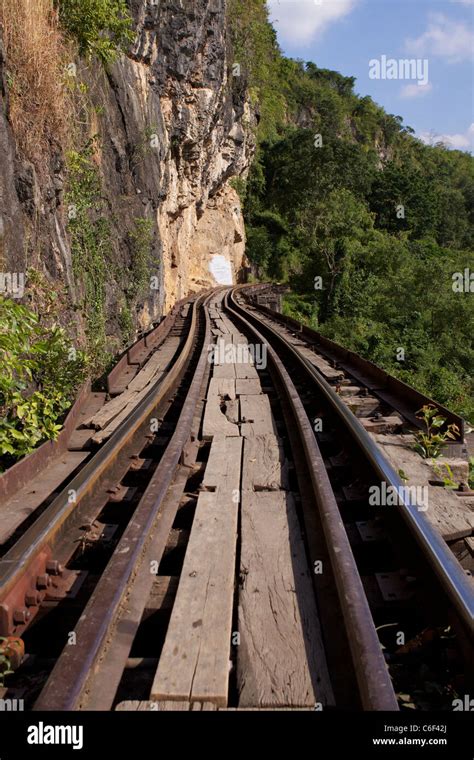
point(36, 59)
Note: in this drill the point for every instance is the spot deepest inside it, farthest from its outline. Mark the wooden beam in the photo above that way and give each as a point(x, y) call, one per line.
point(194, 663)
point(256, 416)
point(264, 465)
point(280, 659)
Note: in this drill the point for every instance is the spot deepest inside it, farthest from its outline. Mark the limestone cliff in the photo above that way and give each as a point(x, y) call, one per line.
point(172, 127)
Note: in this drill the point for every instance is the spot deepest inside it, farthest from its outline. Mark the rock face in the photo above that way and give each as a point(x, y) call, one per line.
point(174, 129)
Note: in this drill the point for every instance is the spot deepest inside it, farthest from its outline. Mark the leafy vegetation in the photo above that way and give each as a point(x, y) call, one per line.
point(141, 243)
point(125, 320)
point(141, 238)
point(431, 438)
point(39, 372)
point(342, 191)
point(90, 241)
point(5, 661)
point(446, 474)
point(256, 52)
point(102, 28)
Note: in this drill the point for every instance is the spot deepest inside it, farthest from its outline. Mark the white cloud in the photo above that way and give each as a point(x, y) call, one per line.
point(300, 21)
point(415, 90)
point(463, 2)
point(463, 141)
point(445, 38)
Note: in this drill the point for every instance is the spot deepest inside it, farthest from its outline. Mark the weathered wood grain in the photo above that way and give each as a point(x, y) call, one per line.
point(194, 664)
point(280, 660)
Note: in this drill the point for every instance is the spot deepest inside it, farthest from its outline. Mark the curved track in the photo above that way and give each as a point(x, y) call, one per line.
point(99, 612)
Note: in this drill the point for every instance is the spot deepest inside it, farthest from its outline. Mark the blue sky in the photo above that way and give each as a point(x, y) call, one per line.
point(346, 34)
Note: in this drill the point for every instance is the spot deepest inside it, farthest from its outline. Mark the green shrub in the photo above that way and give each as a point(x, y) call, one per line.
point(100, 27)
point(430, 441)
point(39, 372)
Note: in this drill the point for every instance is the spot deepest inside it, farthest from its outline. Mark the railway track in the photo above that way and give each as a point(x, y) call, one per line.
point(219, 550)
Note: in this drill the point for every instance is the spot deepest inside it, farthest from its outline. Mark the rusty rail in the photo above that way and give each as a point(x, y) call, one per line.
point(373, 679)
point(446, 567)
point(36, 550)
point(67, 684)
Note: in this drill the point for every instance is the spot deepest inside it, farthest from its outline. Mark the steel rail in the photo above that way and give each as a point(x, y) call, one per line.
point(44, 533)
point(67, 684)
point(445, 565)
point(373, 679)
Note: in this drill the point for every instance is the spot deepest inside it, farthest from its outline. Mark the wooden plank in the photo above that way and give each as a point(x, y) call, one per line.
point(128, 403)
point(469, 542)
point(221, 386)
point(239, 339)
point(138, 353)
point(134, 705)
point(264, 465)
point(119, 383)
point(157, 362)
point(102, 435)
point(321, 364)
point(226, 371)
point(248, 387)
point(268, 709)
point(217, 464)
point(446, 511)
point(153, 370)
point(256, 416)
point(223, 351)
point(94, 402)
point(109, 411)
point(244, 371)
point(221, 326)
point(231, 327)
point(80, 440)
point(194, 663)
point(27, 499)
point(215, 420)
point(280, 660)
